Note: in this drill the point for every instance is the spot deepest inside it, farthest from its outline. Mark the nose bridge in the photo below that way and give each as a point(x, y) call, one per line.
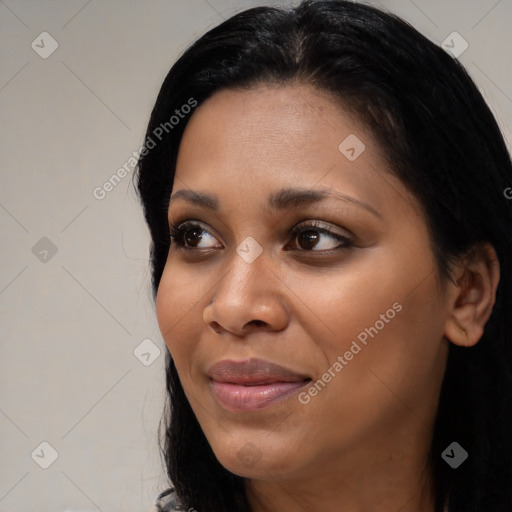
point(245, 270)
point(248, 292)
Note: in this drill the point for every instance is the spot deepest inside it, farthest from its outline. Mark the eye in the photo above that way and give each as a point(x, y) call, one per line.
point(314, 235)
point(189, 235)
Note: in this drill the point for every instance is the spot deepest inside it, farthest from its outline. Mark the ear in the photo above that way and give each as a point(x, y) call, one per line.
point(472, 295)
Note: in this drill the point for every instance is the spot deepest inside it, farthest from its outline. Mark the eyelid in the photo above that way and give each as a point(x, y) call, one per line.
point(322, 226)
point(177, 227)
point(315, 223)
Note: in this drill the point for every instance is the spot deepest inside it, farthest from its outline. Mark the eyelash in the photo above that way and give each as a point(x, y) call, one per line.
point(178, 229)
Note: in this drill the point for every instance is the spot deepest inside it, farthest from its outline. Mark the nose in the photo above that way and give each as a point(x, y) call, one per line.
point(249, 297)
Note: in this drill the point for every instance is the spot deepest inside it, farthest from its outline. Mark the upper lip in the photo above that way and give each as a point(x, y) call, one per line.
point(252, 371)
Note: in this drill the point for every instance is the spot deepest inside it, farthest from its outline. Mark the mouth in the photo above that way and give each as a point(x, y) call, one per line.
point(254, 384)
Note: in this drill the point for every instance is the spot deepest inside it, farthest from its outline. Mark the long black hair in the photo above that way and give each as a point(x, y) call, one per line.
point(441, 140)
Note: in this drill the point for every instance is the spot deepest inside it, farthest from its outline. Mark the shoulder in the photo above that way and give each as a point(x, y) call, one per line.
point(167, 501)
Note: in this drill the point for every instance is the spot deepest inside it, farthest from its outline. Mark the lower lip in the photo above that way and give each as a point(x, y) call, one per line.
point(239, 398)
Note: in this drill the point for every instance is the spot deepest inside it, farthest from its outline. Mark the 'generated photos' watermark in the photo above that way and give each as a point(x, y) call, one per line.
point(354, 349)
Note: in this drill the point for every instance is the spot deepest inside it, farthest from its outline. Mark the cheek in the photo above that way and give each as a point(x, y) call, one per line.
point(178, 304)
point(335, 309)
point(391, 321)
point(166, 308)
point(390, 366)
point(392, 351)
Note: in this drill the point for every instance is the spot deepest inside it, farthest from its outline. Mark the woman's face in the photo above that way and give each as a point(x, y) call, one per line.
point(339, 289)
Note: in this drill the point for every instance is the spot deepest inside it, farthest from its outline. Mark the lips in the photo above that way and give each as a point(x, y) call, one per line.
point(253, 384)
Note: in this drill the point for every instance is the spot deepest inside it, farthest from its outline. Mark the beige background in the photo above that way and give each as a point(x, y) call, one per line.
point(72, 320)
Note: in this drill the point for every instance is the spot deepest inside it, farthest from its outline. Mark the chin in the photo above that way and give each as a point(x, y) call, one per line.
point(255, 460)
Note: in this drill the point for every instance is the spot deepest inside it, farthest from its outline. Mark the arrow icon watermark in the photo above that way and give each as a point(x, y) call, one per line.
point(44, 455)
point(454, 455)
point(44, 45)
point(146, 352)
point(249, 249)
point(351, 147)
point(455, 44)
point(44, 250)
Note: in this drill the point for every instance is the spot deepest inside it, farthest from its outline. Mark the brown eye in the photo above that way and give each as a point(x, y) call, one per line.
point(189, 235)
point(192, 236)
point(308, 238)
point(315, 238)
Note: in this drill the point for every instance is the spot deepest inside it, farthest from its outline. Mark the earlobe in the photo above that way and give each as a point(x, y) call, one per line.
point(472, 296)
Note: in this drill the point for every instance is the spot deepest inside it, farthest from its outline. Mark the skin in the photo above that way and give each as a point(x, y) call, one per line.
point(362, 442)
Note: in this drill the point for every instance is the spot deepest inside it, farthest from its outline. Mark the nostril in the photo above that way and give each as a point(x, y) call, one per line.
point(215, 326)
point(257, 322)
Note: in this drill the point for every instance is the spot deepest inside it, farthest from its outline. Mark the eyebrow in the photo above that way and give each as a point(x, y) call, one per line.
point(283, 199)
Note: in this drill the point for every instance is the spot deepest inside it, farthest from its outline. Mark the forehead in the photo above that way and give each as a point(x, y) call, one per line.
point(289, 123)
point(254, 141)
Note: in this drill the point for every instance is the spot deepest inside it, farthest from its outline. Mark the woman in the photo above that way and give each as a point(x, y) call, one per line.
point(331, 254)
